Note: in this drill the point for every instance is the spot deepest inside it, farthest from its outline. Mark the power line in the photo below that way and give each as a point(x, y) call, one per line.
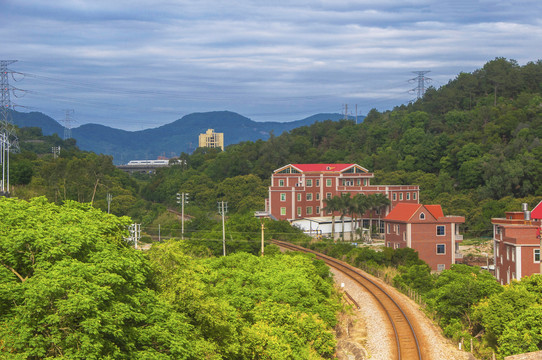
point(8, 137)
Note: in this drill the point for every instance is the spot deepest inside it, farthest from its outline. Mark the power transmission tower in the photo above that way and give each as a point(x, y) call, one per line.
point(8, 138)
point(421, 79)
point(68, 120)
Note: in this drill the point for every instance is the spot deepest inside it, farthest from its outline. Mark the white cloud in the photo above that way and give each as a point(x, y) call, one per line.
point(285, 58)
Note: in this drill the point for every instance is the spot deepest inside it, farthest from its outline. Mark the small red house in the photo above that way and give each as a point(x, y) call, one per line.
point(516, 244)
point(425, 229)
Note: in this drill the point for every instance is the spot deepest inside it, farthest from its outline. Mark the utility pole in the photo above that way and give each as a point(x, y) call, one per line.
point(182, 198)
point(421, 79)
point(222, 210)
point(263, 228)
point(56, 151)
point(135, 234)
point(109, 198)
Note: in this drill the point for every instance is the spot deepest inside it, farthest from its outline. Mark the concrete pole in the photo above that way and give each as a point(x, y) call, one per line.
point(223, 231)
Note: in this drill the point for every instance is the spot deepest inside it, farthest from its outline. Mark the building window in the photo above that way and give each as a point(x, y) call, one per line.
point(394, 196)
point(408, 196)
point(513, 254)
point(388, 228)
point(507, 253)
point(318, 209)
point(397, 227)
point(328, 182)
point(537, 255)
point(441, 267)
point(309, 196)
point(414, 195)
point(299, 211)
point(317, 182)
point(400, 196)
point(309, 182)
point(422, 216)
point(281, 182)
point(364, 182)
point(309, 210)
point(317, 196)
point(283, 211)
point(441, 230)
point(282, 196)
point(328, 196)
point(441, 249)
point(358, 182)
point(299, 197)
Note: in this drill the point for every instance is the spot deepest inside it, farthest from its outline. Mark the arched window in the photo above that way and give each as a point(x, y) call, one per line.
point(422, 216)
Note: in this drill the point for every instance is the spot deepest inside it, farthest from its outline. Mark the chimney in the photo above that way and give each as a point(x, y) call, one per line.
point(526, 213)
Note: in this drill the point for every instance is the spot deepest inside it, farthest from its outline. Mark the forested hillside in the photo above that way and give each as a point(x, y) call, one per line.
point(473, 146)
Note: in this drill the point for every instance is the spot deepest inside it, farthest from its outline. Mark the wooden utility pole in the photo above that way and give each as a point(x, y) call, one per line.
point(263, 227)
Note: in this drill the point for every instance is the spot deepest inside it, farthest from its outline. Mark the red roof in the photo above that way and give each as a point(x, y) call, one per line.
point(402, 212)
point(405, 211)
point(537, 211)
point(321, 167)
point(435, 210)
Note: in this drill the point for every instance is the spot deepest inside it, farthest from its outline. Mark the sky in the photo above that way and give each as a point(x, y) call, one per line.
point(137, 64)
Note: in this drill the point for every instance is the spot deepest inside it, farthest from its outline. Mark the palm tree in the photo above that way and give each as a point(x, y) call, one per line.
point(344, 202)
point(332, 205)
point(360, 205)
point(377, 202)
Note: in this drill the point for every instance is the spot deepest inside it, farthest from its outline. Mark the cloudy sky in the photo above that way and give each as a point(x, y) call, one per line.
point(135, 64)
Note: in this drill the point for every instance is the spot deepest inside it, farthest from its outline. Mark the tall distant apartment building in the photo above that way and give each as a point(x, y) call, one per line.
point(211, 139)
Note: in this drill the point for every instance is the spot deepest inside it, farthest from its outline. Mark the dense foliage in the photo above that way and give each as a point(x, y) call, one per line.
point(72, 287)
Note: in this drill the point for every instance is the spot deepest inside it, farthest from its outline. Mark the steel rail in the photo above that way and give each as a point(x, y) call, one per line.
point(403, 352)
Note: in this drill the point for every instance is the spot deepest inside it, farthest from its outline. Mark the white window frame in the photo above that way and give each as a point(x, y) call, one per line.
point(298, 196)
point(444, 230)
point(422, 216)
point(309, 210)
point(282, 196)
point(309, 182)
point(309, 196)
point(283, 211)
point(414, 196)
point(534, 256)
point(400, 196)
point(329, 182)
point(281, 182)
point(441, 253)
point(408, 196)
point(394, 196)
point(299, 211)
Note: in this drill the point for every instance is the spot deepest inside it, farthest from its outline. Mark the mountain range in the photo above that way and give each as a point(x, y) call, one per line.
point(168, 140)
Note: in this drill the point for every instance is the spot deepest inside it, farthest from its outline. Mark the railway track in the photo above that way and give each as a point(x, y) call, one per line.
point(406, 342)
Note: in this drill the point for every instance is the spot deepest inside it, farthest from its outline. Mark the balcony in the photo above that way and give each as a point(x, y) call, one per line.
point(458, 237)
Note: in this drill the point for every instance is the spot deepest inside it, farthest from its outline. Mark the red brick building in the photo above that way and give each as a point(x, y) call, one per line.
point(299, 190)
point(516, 244)
point(425, 229)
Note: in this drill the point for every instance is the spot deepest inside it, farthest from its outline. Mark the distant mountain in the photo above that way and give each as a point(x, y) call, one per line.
point(167, 140)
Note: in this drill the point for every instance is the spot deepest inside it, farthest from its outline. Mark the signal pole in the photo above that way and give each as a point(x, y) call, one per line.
point(222, 210)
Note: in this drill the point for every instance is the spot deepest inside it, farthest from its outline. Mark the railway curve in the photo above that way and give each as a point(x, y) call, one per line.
point(407, 346)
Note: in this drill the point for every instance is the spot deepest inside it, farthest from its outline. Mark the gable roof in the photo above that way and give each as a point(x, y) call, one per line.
point(322, 167)
point(403, 212)
point(537, 211)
